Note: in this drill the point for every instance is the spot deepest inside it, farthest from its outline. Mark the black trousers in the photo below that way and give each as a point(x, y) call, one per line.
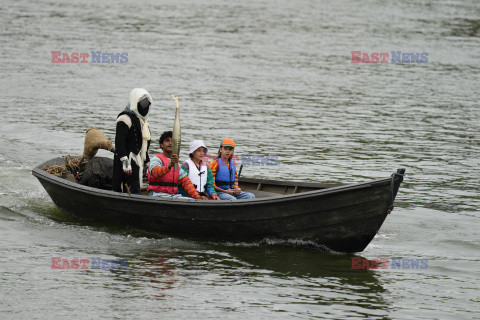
point(120, 178)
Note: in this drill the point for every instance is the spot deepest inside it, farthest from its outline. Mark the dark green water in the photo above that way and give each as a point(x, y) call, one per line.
point(278, 78)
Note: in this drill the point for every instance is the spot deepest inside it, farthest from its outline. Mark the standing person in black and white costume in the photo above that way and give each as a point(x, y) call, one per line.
point(132, 140)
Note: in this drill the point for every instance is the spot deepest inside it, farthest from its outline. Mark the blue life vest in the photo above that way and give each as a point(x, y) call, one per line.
point(225, 177)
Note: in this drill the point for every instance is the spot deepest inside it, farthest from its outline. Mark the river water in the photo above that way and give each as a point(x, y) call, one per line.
point(277, 77)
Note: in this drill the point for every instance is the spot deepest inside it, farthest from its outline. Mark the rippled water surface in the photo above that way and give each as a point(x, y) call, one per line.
point(277, 77)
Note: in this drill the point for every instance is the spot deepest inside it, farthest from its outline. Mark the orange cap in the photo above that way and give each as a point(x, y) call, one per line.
point(227, 143)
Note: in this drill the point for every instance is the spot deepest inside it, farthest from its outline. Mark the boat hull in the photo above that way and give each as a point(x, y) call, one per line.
point(343, 219)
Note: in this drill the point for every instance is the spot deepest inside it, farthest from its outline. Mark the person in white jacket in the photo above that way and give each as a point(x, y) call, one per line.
point(199, 172)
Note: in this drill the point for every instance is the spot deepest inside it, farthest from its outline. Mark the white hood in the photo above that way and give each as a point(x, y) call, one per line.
point(136, 95)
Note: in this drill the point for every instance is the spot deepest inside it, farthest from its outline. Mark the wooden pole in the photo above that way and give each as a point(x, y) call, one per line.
point(128, 189)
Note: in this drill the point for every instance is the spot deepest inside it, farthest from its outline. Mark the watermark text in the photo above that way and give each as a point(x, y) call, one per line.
point(89, 263)
point(396, 57)
point(92, 57)
point(392, 263)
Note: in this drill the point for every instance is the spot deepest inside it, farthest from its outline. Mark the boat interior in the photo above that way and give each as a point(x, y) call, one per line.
point(261, 188)
point(269, 188)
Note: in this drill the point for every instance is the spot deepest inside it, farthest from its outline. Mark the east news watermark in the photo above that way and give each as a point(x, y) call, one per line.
point(398, 263)
point(89, 263)
point(247, 160)
point(389, 57)
point(89, 57)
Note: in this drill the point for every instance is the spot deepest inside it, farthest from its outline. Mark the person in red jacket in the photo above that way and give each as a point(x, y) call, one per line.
point(163, 179)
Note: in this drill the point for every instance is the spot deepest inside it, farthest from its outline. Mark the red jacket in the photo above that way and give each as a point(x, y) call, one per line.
point(168, 183)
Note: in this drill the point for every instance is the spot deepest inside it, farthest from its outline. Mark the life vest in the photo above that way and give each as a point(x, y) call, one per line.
point(168, 183)
point(198, 177)
point(225, 177)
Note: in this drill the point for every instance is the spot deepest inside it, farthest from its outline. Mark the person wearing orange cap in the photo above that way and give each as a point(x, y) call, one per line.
point(225, 174)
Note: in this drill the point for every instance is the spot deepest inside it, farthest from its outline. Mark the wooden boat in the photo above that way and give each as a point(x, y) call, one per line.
point(340, 217)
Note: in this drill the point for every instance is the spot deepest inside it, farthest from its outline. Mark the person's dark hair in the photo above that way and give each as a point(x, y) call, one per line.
point(164, 136)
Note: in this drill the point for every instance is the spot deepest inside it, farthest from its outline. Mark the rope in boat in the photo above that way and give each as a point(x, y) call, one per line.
point(72, 165)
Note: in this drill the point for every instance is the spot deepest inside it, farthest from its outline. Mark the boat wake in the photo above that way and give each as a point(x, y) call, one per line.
point(293, 243)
